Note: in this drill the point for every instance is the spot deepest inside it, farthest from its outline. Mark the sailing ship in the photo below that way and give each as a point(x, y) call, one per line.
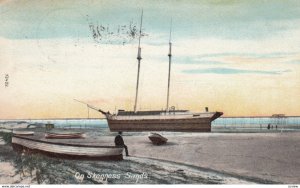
point(169, 119)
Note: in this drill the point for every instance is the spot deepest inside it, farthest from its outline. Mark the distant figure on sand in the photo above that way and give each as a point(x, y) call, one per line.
point(269, 126)
point(120, 142)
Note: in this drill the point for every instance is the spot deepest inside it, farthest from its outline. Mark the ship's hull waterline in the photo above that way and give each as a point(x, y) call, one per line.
point(184, 124)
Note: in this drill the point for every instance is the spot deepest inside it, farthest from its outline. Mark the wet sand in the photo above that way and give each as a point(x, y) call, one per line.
point(265, 156)
point(192, 158)
point(36, 169)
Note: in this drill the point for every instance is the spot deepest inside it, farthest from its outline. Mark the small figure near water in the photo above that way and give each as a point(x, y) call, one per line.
point(269, 126)
point(120, 142)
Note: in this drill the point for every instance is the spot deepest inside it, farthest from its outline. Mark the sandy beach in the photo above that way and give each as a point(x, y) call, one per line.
point(268, 156)
point(201, 158)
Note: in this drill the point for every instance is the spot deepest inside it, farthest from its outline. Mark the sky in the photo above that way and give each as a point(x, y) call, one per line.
point(239, 57)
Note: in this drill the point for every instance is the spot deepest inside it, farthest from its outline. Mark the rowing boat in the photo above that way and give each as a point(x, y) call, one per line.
point(66, 150)
point(64, 135)
point(25, 133)
point(157, 139)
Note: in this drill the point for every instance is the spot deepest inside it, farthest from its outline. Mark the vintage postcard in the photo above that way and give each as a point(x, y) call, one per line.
point(149, 92)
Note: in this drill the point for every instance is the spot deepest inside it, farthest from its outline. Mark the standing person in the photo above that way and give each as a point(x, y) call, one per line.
point(120, 142)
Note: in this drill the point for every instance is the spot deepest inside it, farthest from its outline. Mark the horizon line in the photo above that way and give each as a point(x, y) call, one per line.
point(9, 119)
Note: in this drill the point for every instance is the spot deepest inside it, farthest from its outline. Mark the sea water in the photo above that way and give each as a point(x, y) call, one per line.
point(259, 123)
point(292, 123)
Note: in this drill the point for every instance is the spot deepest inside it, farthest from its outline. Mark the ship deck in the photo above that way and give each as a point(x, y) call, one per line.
point(163, 116)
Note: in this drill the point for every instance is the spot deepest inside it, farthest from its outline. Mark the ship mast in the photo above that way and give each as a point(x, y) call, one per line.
point(139, 62)
point(170, 58)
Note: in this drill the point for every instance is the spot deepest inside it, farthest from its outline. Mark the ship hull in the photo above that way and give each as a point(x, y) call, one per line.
point(174, 125)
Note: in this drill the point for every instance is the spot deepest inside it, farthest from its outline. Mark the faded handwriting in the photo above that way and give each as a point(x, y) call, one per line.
point(6, 80)
point(120, 34)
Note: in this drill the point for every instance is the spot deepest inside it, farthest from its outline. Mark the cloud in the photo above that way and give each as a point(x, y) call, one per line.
point(231, 71)
point(294, 62)
point(195, 60)
point(228, 58)
point(248, 55)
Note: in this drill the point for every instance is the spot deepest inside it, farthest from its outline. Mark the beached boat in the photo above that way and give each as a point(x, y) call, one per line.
point(158, 120)
point(67, 150)
point(63, 135)
point(49, 126)
point(26, 133)
point(157, 139)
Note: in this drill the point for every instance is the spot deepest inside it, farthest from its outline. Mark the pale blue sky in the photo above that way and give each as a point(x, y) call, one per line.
point(228, 20)
point(225, 19)
point(226, 54)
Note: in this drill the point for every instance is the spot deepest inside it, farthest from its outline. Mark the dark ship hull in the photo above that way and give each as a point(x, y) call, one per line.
point(187, 122)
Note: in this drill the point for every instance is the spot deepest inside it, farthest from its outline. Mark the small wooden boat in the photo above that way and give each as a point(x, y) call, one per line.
point(49, 126)
point(157, 139)
point(24, 133)
point(66, 150)
point(64, 135)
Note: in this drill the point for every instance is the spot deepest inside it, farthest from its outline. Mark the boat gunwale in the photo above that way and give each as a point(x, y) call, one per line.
point(205, 115)
point(18, 147)
point(64, 133)
point(23, 132)
point(65, 144)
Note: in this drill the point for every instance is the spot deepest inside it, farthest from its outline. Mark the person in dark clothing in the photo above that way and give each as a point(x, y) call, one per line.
point(120, 142)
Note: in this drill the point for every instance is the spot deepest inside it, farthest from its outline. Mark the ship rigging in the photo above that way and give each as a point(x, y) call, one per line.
point(169, 119)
